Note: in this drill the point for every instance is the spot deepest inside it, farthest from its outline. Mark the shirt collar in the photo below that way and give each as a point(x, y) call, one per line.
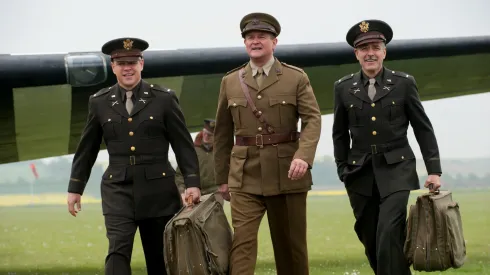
point(267, 66)
point(378, 77)
point(135, 90)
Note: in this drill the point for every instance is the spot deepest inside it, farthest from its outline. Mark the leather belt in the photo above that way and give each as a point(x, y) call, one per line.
point(260, 140)
point(381, 148)
point(133, 160)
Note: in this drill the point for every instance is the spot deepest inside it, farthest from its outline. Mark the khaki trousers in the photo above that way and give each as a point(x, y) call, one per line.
point(287, 223)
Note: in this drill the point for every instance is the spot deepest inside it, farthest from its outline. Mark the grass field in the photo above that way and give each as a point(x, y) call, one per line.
point(47, 240)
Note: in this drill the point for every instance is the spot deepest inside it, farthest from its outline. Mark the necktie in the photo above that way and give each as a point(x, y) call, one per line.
point(371, 88)
point(129, 101)
point(259, 77)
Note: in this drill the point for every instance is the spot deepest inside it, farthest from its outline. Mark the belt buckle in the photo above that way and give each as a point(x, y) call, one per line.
point(374, 149)
point(132, 160)
point(261, 140)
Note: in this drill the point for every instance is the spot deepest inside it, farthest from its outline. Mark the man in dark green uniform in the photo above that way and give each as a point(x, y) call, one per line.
point(203, 143)
point(373, 108)
point(137, 122)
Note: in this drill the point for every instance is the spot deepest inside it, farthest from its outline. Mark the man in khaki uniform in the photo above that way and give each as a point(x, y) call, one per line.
point(268, 168)
point(203, 143)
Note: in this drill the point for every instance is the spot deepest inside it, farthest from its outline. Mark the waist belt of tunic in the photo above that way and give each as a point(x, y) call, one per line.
point(260, 140)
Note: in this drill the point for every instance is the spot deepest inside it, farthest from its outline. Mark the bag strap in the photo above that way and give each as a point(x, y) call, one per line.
point(251, 103)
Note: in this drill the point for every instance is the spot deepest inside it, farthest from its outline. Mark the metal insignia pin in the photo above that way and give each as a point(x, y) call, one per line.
point(389, 80)
point(142, 100)
point(113, 95)
point(356, 90)
point(386, 88)
point(145, 93)
point(114, 103)
point(355, 83)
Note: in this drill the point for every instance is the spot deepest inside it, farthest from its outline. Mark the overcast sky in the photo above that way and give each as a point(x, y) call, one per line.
point(47, 26)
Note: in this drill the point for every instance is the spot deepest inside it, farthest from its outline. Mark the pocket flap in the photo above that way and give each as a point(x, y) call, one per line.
point(391, 102)
point(239, 152)
point(157, 171)
point(237, 101)
point(356, 159)
point(283, 100)
point(399, 154)
point(113, 173)
point(353, 104)
point(111, 118)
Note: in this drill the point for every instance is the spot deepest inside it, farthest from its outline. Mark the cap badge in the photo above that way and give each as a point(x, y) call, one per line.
point(255, 22)
point(212, 124)
point(364, 26)
point(128, 44)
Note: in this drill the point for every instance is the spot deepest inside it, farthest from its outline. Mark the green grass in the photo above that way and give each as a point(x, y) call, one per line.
point(47, 240)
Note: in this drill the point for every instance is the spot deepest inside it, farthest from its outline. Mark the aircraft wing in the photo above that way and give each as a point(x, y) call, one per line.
point(44, 97)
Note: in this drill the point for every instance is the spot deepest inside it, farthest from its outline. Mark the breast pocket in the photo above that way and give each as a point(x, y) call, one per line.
point(152, 126)
point(354, 109)
point(237, 106)
point(111, 125)
point(283, 111)
point(394, 110)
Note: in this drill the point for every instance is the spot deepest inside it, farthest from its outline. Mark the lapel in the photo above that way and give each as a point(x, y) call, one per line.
point(387, 86)
point(272, 78)
point(115, 102)
point(357, 88)
point(145, 97)
point(249, 79)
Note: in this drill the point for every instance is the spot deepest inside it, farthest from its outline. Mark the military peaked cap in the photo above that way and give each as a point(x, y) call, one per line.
point(209, 124)
point(125, 47)
point(369, 31)
point(258, 21)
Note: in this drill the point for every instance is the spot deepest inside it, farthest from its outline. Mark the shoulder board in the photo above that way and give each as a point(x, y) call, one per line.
point(349, 76)
point(293, 67)
point(160, 89)
point(400, 74)
point(236, 69)
point(102, 91)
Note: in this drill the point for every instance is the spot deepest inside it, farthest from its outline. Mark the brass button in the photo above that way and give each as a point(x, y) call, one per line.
point(151, 85)
point(393, 102)
point(260, 128)
point(353, 162)
point(163, 174)
point(260, 112)
point(403, 157)
point(130, 119)
point(373, 118)
point(133, 148)
point(109, 119)
point(259, 97)
point(283, 102)
point(372, 104)
point(131, 133)
point(374, 133)
point(352, 105)
point(151, 117)
point(110, 176)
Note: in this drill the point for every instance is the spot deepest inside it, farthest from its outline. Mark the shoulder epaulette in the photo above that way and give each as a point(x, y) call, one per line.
point(404, 75)
point(160, 89)
point(236, 69)
point(102, 91)
point(293, 67)
point(344, 78)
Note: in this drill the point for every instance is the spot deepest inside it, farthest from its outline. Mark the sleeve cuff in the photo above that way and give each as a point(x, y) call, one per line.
point(76, 186)
point(192, 181)
point(433, 167)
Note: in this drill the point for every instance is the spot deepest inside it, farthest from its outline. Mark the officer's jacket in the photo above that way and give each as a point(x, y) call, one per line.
point(381, 124)
point(285, 96)
point(140, 138)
